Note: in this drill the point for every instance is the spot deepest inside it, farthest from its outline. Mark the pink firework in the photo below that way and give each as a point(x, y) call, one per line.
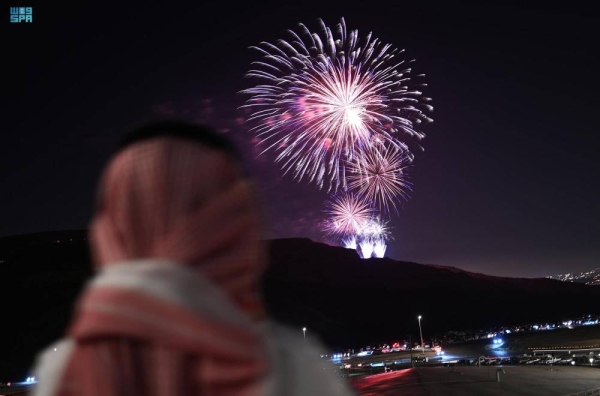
point(379, 175)
point(329, 96)
point(347, 215)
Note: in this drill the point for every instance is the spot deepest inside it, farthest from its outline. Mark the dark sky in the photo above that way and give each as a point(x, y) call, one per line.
point(509, 180)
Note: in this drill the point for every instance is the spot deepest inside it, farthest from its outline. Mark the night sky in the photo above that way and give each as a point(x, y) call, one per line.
point(508, 183)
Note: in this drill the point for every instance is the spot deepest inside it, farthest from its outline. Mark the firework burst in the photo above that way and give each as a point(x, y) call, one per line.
point(347, 215)
point(324, 98)
point(342, 112)
point(373, 229)
point(379, 175)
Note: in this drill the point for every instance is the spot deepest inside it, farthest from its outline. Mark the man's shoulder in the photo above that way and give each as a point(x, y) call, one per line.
point(304, 344)
point(50, 364)
point(301, 361)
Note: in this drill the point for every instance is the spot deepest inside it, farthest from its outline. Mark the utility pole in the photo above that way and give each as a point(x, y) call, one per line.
point(421, 332)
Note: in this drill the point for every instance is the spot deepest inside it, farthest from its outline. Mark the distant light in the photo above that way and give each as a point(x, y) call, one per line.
point(573, 363)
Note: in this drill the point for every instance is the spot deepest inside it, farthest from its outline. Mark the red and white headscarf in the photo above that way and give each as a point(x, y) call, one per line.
point(179, 203)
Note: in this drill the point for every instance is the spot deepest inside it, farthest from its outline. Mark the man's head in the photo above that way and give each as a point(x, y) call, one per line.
point(178, 191)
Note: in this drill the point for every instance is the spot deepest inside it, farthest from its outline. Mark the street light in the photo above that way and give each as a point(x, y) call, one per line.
point(421, 332)
point(304, 332)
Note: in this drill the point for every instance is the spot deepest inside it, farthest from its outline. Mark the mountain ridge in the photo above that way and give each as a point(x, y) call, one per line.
point(344, 299)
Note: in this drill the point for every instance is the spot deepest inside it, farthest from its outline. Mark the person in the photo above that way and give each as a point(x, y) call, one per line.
point(175, 307)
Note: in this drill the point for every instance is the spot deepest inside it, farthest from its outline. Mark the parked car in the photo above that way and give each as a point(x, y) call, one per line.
point(552, 360)
point(565, 360)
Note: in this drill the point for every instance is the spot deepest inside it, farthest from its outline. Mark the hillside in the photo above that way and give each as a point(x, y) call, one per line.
point(329, 290)
point(351, 301)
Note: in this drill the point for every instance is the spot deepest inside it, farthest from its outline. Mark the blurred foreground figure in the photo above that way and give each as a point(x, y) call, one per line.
point(175, 307)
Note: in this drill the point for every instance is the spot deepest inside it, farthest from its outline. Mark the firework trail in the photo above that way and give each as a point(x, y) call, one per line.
point(324, 98)
point(350, 242)
point(379, 248)
point(366, 248)
point(379, 176)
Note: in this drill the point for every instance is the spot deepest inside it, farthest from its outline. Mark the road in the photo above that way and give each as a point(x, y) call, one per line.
point(448, 381)
point(15, 389)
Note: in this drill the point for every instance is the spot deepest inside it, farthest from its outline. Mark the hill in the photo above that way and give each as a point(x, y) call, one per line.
point(330, 290)
point(350, 301)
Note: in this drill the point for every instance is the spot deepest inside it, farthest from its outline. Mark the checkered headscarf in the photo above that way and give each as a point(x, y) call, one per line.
point(171, 199)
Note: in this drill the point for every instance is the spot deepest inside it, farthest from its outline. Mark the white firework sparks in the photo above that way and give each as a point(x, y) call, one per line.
point(373, 229)
point(350, 242)
point(379, 175)
point(379, 248)
point(325, 98)
point(366, 248)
